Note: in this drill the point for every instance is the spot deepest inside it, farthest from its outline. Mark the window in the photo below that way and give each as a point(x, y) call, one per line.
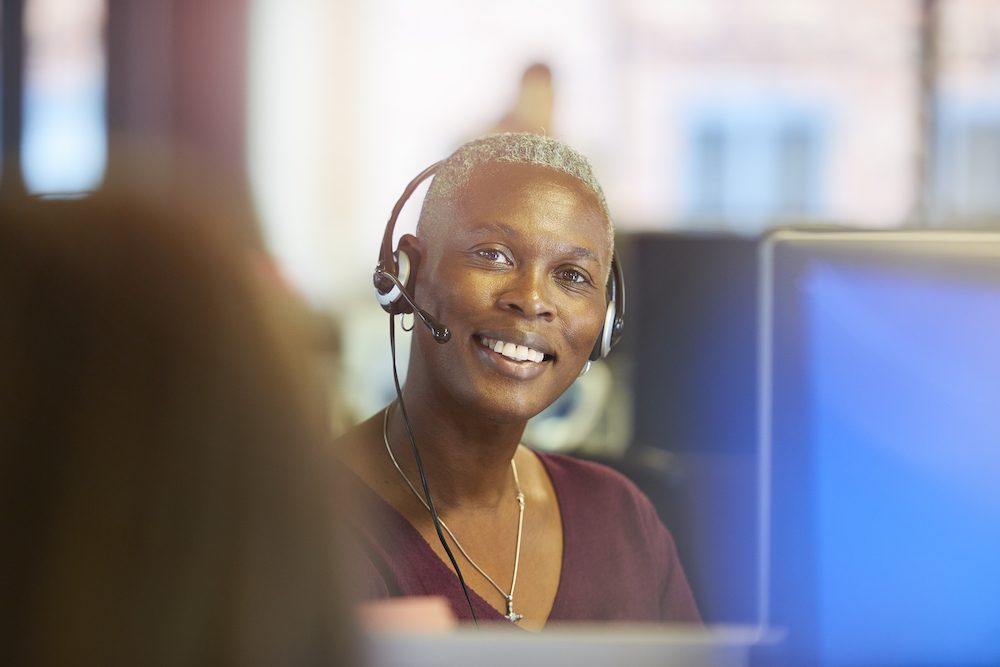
point(64, 131)
point(754, 163)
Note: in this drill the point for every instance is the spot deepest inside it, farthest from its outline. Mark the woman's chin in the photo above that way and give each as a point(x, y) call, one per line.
point(506, 404)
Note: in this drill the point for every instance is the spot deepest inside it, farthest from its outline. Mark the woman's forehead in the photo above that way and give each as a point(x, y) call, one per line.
point(528, 190)
point(531, 196)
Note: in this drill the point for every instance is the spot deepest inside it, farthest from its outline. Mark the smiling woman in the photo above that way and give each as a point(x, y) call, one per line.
point(513, 250)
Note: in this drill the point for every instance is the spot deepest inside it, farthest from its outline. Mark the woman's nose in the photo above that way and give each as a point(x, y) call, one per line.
point(528, 294)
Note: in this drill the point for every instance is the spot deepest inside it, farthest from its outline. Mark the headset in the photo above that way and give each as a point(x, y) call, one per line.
point(392, 273)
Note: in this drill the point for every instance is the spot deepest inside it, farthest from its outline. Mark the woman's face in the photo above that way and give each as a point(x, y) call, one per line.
point(517, 272)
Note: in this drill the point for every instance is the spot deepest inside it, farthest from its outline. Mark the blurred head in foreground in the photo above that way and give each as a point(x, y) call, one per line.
point(161, 457)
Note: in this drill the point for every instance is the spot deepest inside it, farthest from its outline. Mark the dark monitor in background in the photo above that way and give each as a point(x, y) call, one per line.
point(690, 356)
point(880, 447)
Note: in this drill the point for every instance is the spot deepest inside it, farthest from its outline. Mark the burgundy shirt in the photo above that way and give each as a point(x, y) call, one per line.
point(619, 560)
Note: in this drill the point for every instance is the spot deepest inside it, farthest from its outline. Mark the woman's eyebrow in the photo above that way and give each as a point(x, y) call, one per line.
point(496, 228)
point(582, 253)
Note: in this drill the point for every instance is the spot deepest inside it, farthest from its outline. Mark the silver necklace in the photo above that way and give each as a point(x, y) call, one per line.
point(511, 615)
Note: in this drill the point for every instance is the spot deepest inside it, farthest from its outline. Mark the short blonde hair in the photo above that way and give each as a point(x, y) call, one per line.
point(517, 148)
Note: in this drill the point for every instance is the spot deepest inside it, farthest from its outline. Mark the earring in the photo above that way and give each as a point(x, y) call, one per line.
point(586, 367)
point(402, 321)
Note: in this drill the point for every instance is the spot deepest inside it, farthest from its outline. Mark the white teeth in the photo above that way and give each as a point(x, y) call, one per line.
point(512, 351)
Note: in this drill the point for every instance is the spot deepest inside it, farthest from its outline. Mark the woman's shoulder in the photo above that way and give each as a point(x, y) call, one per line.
point(358, 449)
point(580, 468)
point(581, 481)
point(619, 556)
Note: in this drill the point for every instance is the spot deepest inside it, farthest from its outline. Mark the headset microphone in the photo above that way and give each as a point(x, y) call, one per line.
point(440, 332)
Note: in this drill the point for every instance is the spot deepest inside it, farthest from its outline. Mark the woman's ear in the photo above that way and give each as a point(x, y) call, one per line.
point(411, 246)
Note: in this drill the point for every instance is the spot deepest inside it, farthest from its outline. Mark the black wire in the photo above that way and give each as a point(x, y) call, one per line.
point(423, 475)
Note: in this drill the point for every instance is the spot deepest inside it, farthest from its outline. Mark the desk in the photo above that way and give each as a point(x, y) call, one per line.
point(573, 645)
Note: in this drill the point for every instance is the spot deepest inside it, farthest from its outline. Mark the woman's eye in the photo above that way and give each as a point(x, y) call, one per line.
point(493, 255)
point(574, 276)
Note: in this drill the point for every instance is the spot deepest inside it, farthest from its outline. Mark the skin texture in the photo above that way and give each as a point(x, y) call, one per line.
point(522, 257)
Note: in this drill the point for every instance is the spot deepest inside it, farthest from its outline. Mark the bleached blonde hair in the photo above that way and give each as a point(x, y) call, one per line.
point(455, 173)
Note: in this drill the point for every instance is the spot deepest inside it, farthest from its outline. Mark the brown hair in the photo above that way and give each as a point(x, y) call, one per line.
point(161, 457)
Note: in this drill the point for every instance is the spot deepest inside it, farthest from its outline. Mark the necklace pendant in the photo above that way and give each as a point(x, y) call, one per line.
point(511, 615)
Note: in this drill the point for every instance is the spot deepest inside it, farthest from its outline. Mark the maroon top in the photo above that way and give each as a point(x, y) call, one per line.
point(619, 561)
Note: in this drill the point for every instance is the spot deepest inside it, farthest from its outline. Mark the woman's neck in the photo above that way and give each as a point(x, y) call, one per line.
point(466, 458)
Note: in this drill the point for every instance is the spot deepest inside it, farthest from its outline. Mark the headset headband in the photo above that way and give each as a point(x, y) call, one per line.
point(385, 256)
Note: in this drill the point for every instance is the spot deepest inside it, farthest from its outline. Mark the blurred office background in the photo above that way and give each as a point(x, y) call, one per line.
point(699, 116)
point(708, 122)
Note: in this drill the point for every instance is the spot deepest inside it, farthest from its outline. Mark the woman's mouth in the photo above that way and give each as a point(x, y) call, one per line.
point(513, 351)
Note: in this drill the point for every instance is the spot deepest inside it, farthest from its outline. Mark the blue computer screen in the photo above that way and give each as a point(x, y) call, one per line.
point(902, 390)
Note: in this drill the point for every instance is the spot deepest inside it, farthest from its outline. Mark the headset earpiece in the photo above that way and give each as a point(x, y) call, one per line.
point(387, 291)
point(392, 273)
point(614, 316)
point(603, 344)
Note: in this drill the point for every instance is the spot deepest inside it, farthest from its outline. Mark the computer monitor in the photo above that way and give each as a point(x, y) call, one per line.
point(880, 447)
